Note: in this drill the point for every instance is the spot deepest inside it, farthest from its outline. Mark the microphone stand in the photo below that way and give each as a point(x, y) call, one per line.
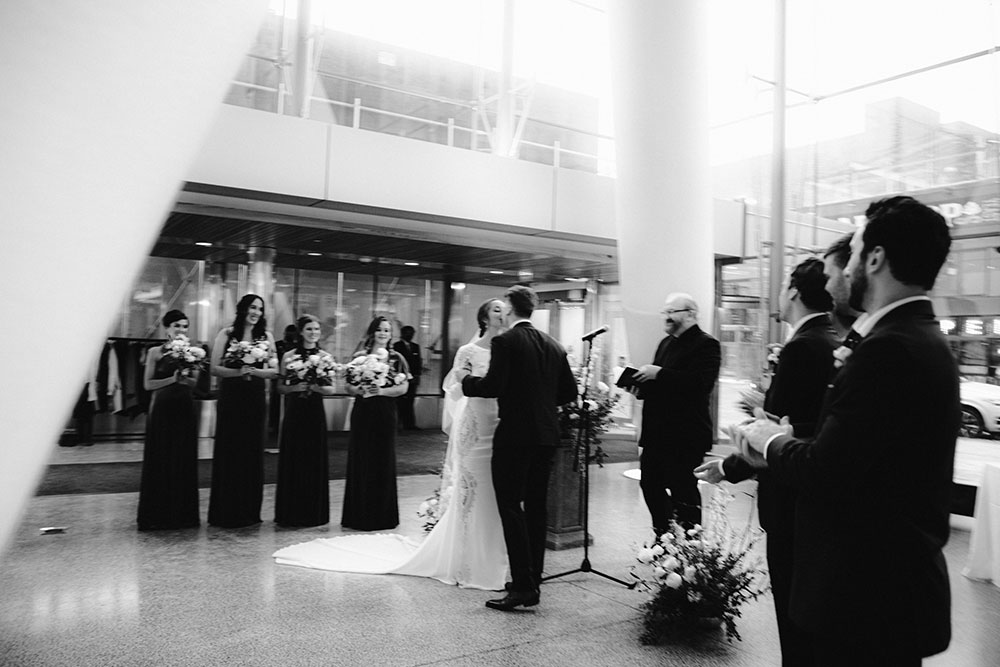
point(583, 445)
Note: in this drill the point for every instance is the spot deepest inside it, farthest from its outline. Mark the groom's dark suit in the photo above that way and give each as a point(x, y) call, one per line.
point(796, 392)
point(874, 495)
point(530, 377)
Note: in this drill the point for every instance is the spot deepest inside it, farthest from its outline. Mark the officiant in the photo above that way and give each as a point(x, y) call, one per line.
point(677, 425)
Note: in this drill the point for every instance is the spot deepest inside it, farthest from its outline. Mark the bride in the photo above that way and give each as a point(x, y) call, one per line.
point(466, 547)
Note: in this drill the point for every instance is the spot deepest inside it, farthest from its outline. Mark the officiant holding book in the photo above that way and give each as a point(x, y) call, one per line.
point(677, 426)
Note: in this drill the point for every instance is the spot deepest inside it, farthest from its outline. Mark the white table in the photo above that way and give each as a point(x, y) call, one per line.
point(984, 545)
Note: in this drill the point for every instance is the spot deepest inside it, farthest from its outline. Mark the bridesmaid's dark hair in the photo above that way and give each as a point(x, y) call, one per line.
point(300, 324)
point(370, 332)
point(483, 315)
point(173, 316)
point(259, 329)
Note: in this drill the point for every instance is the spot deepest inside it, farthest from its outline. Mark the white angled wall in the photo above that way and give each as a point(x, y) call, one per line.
point(105, 105)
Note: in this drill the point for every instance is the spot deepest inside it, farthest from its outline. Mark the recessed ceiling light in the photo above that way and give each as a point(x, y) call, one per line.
point(204, 244)
point(315, 254)
point(364, 260)
point(412, 263)
point(497, 273)
point(576, 280)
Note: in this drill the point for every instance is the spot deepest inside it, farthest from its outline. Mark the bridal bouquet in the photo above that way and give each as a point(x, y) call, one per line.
point(244, 353)
point(183, 355)
point(317, 368)
point(371, 371)
point(699, 578)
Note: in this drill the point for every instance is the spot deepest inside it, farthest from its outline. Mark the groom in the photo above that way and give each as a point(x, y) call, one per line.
point(530, 377)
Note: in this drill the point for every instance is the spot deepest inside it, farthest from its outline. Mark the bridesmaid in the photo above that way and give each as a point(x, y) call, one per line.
point(238, 459)
point(168, 493)
point(302, 497)
point(370, 493)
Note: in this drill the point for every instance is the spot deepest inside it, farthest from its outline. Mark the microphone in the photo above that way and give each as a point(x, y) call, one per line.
point(595, 333)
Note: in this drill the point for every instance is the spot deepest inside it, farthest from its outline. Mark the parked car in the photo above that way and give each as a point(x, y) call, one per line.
point(980, 409)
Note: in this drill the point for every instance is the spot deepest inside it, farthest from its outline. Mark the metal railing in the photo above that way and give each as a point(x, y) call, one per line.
point(456, 133)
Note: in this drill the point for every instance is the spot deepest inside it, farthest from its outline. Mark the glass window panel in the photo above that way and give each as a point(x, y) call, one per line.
point(357, 308)
point(972, 278)
point(164, 284)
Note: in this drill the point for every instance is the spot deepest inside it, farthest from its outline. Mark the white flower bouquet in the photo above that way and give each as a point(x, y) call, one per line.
point(184, 356)
point(316, 368)
point(699, 578)
point(370, 372)
point(245, 353)
point(432, 509)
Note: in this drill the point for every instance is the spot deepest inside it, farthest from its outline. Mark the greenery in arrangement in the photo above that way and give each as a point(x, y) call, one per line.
point(698, 579)
point(595, 413)
point(431, 510)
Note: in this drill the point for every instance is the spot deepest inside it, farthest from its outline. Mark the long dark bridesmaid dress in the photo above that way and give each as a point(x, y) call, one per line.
point(302, 496)
point(168, 492)
point(238, 459)
point(370, 501)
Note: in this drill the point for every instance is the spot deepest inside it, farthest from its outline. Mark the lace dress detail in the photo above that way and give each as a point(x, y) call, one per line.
point(466, 547)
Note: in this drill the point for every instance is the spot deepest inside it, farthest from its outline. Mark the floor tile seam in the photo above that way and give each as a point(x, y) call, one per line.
point(637, 606)
point(737, 644)
point(528, 642)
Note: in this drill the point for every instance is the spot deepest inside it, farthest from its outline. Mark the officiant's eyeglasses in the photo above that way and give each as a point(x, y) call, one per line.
point(671, 311)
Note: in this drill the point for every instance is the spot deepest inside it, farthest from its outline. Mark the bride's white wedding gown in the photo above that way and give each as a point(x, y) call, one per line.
point(466, 547)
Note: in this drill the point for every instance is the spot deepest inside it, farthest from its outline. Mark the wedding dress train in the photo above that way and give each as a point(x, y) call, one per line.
point(466, 547)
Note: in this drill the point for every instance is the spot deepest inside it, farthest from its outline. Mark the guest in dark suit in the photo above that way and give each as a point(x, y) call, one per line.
point(530, 377)
point(796, 393)
point(677, 427)
point(870, 584)
point(834, 262)
point(411, 352)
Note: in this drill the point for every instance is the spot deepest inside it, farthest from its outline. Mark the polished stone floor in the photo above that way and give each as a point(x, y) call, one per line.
point(103, 594)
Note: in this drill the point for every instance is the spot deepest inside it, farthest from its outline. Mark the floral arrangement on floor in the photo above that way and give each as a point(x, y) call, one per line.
point(699, 578)
point(183, 355)
point(316, 368)
point(432, 509)
point(245, 353)
point(600, 403)
point(369, 372)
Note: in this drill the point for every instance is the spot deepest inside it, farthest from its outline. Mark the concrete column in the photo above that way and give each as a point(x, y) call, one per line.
point(662, 197)
point(261, 277)
point(504, 130)
point(304, 55)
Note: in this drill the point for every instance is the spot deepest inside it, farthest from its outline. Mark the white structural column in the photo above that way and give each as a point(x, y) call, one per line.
point(262, 275)
point(106, 104)
point(663, 202)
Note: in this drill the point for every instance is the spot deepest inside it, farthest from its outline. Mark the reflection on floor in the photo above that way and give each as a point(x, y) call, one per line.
point(103, 594)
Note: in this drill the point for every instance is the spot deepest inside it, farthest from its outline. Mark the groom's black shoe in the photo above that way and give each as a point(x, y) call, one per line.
point(513, 600)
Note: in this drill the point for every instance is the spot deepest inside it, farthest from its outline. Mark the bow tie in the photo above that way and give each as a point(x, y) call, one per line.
point(852, 340)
